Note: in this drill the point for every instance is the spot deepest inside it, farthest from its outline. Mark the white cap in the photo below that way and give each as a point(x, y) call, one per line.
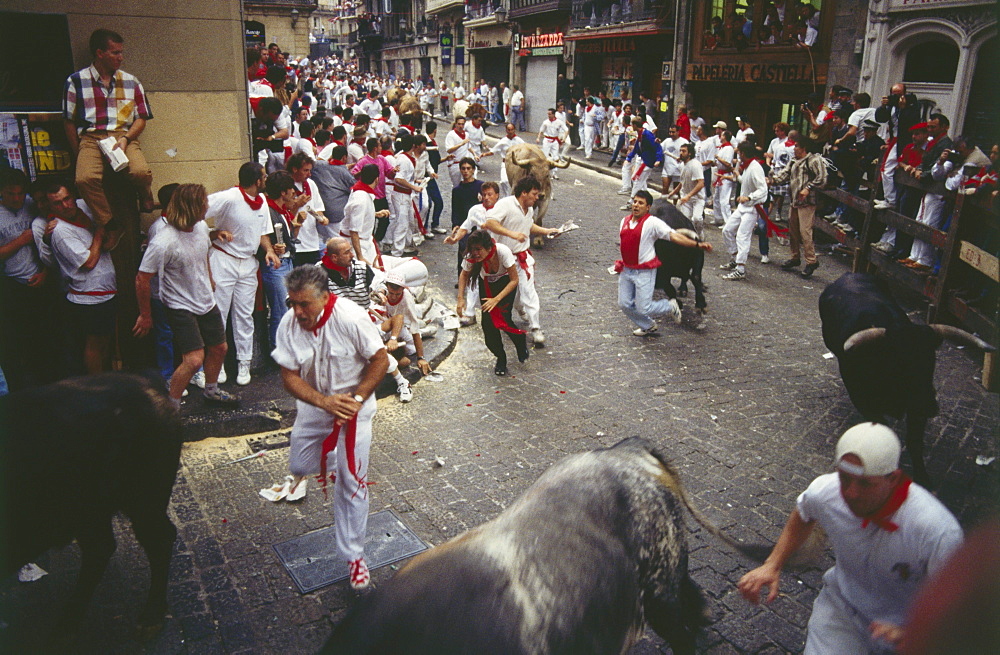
point(874, 444)
point(721, 125)
point(392, 277)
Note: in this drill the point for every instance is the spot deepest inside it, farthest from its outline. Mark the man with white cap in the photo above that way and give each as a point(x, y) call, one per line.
point(888, 536)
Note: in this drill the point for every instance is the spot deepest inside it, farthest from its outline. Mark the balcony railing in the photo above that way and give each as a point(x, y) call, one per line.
point(608, 13)
point(309, 5)
point(520, 8)
point(483, 10)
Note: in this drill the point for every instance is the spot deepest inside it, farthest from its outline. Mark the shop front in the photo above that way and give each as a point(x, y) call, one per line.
point(622, 66)
point(490, 50)
point(540, 59)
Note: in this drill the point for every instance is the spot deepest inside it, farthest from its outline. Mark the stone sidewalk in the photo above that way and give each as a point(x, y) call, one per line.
point(742, 400)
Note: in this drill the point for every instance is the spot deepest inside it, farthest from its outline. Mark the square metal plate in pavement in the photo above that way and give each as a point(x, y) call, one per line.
point(313, 562)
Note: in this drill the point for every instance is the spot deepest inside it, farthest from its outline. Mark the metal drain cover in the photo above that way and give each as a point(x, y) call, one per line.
point(312, 560)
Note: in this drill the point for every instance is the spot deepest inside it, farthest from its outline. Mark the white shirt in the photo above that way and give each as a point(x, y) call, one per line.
point(691, 173)
point(508, 213)
point(652, 229)
point(695, 124)
point(476, 135)
point(725, 153)
point(671, 153)
point(592, 116)
point(355, 151)
point(306, 146)
point(859, 116)
point(753, 184)
point(308, 236)
point(180, 262)
point(458, 93)
point(503, 255)
point(781, 154)
point(741, 135)
point(507, 94)
point(879, 572)
point(475, 219)
point(22, 264)
point(706, 149)
point(371, 107)
point(552, 130)
point(331, 361)
point(405, 170)
point(516, 99)
point(500, 150)
point(229, 211)
point(71, 248)
point(359, 216)
point(405, 308)
point(450, 141)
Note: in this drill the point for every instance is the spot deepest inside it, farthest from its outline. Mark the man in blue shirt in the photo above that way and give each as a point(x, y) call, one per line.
point(650, 152)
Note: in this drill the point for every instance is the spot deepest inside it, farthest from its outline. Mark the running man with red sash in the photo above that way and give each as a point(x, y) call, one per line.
point(637, 267)
point(495, 266)
point(331, 359)
point(888, 536)
point(737, 233)
point(516, 214)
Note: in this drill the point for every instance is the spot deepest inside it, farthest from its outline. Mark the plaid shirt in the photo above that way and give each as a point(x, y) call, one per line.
point(91, 106)
point(806, 173)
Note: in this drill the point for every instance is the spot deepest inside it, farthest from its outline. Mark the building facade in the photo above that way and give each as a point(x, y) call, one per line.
point(488, 40)
point(540, 53)
point(749, 59)
point(946, 53)
point(285, 22)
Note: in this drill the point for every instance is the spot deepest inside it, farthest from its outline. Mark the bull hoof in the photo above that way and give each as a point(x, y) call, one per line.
point(538, 243)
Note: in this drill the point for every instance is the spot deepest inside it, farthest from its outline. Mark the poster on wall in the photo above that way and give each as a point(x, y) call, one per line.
point(35, 144)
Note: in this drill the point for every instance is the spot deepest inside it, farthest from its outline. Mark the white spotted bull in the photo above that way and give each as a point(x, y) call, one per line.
point(580, 563)
point(527, 160)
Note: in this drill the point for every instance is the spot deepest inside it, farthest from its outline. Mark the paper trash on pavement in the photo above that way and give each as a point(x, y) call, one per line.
point(434, 377)
point(983, 460)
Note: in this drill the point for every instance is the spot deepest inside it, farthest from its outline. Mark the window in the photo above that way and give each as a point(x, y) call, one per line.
point(933, 61)
point(744, 24)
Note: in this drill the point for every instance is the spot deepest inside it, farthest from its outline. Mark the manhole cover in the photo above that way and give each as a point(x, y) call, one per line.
point(273, 441)
point(313, 562)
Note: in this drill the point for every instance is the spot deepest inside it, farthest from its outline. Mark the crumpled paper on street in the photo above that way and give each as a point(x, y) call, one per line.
point(31, 572)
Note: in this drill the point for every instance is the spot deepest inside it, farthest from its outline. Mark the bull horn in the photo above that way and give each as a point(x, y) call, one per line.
point(521, 162)
point(959, 335)
point(863, 337)
point(562, 163)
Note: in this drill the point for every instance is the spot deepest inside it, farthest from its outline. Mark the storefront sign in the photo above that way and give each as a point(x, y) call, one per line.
point(539, 45)
point(605, 46)
point(667, 72)
point(772, 73)
point(35, 143)
point(896, 5)
point(253, 33)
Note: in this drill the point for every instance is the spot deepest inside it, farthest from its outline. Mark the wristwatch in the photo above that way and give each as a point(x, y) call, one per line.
point(359, 398)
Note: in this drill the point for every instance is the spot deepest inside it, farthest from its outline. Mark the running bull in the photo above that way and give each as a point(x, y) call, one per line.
point(678, 261)
point(527, 160)
point(75, 453)
point(588, 555)
point(886, 362)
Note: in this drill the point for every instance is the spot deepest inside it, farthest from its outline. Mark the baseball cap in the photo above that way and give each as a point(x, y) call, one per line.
point(874, 444)
point(844, 91)
point(392, 277)
point(721, 125)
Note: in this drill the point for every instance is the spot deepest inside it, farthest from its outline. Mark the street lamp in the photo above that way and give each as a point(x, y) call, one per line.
point(295, 17)
point(501, 14)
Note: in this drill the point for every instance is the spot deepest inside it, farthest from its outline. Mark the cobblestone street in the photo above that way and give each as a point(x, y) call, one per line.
point(743, 401)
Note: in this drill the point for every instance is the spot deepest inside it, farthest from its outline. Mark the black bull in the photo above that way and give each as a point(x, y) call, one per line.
point(586, 556)
point(678, 261)
point(886, 361)
point(75, 453)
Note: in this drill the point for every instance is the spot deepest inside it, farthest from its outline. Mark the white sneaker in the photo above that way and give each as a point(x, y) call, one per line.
point(243, 374)
point(183, 393)
point(880, 204)
point(676, 313)
point(222, 375)
point(538, 337)
point(624, 192)
point(404, 391)
point(735, 274)
point(625, 208)
point(764, 259)
point(639, 332)
point(883, 246)
point(729, 266)
point(439, 230)
point(198, 379)
point(429, 236)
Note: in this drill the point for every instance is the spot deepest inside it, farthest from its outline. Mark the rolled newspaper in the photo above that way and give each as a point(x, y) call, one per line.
point(278, 227)
point(116, 157)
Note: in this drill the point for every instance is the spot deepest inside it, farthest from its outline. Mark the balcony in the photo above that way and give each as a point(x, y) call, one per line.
point(522, 8)
point(609, 16)
point(439, 6)
point(301, 5)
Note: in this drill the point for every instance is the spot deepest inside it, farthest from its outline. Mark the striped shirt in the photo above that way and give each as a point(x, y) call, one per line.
point(357, 287)
point(92, 106)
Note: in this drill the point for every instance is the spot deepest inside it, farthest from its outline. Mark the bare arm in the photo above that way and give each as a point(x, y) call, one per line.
point(463, 283)
point(769, 573)
point(95, 251)
point(341, 405)
point(142, 295)
point(490, 303)
point(493, 225)
point(72, 136)
point(7, 250)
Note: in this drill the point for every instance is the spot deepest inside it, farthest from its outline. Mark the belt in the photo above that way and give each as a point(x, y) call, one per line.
point(227, 252)
point(92, 293)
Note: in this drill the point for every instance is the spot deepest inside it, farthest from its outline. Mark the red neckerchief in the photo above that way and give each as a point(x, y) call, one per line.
point(283, 212)
point(433, 143)
point(337, 162)
point(398, 301)
point(461, 135)
point(266, 82)
point(410, 157)
point(745, 164)
point(359, 141)
point(71, 221)
point(312, 141)
point(361, 186)
point(881, 517)
point(789, 143)
point(631, 239)
point(255, 203)
point(384, 120)
point(325, 316)
point(330, 264)
point(723, 145)
point(306, 190)
point(497, 312)
point(407, 128)
point(387, 153)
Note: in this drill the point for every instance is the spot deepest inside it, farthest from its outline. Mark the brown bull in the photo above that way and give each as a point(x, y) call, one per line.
point(405, 103)
point(468, 110)
point(526, 160)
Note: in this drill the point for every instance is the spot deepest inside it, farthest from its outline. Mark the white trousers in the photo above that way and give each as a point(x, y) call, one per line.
point(695, 210)
point(627, 168)
point(931, 214)
point(720, 202)
point(550, 148)
point(738, 231)
point(640, 183)
point(589, 132)
point(350, 493)
point(236, 291)
point(527, 297)
point(455, 173)
point(835, 627)
point(888, 181)
point(400, 232)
